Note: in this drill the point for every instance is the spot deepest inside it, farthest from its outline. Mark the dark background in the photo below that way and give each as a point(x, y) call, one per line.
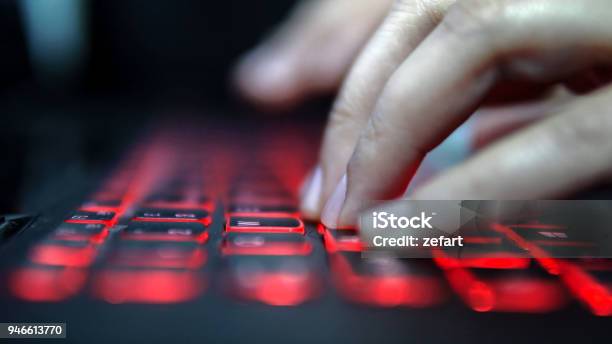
point(144, 58)
point(150, 48)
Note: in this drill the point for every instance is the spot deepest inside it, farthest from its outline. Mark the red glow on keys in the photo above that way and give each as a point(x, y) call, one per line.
point(268, 249)
point(386, 290)
point(160, 258)
point(515, 294)
point(484, 262)
point(277, 288)
point(46, 285)
point(200, 239)
point(595, 295)
point(147, 286)
point(205, 221)
point(67, 235)
point(343, 243)
point(390, 291)
point(549, 264)
point(61, 255)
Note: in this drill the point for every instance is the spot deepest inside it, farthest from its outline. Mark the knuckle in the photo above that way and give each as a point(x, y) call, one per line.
point(375, 131)
point(474, 17)
point(343, 114)
point(435, 10)
point(404, 11)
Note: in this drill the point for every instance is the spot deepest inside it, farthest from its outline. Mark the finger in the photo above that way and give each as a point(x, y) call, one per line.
point(404, 28)
point(308, 53)
point(557, 156)
point(492, 123)
point(430, 94)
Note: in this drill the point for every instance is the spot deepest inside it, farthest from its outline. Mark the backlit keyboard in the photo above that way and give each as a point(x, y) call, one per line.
point(184, 216)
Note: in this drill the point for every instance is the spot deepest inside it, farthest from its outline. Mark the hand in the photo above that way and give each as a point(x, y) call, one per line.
point(425, 71)
point(309, 53)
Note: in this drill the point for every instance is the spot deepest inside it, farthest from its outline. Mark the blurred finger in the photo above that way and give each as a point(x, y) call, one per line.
point(310, 52)
point(559, 155)
point(492, 123)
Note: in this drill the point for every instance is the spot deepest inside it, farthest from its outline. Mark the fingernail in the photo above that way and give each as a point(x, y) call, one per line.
point(267, 74)
point(311, 195)
point(332, 209)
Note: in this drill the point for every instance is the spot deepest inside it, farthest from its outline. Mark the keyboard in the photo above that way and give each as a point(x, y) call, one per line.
point(207, 220)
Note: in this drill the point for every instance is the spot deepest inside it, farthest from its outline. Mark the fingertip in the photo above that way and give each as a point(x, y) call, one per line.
point(331, 212)
point(268, 78)
point(311, 195)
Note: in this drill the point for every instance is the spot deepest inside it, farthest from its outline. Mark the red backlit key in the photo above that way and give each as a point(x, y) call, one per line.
point(498, 291)
point(158, 255)
point(386, 281)
point(165, 231)
point(75, 254)
point(46, 284)
point(590, 284)
point(264, 224)
point(85, 216)
point(485, 250)
point(93, 232)
point(248, 209)
point(342, 240)
point(275, 281)
point(159, 286)
point(173, 215)
point(528, 290)
point(559, 241)
point(277, 244)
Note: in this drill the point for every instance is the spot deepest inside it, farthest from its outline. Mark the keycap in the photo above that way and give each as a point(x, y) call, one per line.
point(524, 290)
point(165, 231)
point(342, 240)
point(264, 224)
point(262, 209)
point(172, 215)
point(387, 281)
point(559, 241)
point(151, 254)
point(93, 232)
point(274, 244)
point(154, 286)
point(271, 280)
point(91, 216)
point(73, 254)
point(46, 284)
point(485, 249)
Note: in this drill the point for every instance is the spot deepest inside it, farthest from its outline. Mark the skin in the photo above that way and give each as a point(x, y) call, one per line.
point(431, 64)
point(310, 53)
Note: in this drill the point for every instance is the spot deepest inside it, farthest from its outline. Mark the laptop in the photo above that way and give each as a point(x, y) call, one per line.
point(192, 233)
